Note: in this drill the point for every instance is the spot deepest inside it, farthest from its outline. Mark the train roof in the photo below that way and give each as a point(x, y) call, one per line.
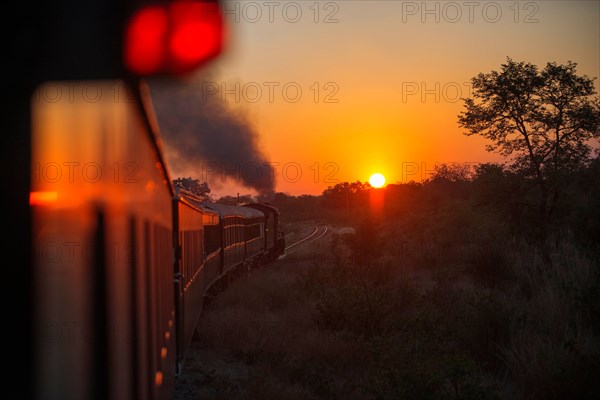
point(263, 207)
point(245, 211)
point(234, 211)
point(193, 200)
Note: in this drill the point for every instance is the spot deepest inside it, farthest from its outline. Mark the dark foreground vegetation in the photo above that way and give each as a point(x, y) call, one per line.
point(479, 282)
point(449, 294)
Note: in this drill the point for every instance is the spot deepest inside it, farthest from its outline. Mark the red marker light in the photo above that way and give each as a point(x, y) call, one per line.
point(174, 38)
point(144, 41)
point(197, 30)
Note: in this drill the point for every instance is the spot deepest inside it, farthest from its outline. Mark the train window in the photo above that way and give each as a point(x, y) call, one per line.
point(211, 241)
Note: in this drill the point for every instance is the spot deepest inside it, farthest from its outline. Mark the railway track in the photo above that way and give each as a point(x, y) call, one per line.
point(318, 233)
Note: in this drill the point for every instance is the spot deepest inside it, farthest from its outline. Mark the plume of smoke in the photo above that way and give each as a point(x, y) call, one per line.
point(202, 131)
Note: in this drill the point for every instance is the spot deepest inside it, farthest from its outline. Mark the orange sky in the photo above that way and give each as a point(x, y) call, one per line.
point(374, 64)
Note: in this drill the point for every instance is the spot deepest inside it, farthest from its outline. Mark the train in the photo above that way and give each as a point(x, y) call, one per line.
point(215, 243)
point(123, 261)
point(108, 265)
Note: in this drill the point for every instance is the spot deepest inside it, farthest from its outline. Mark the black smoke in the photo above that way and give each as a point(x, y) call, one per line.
point(206, 137)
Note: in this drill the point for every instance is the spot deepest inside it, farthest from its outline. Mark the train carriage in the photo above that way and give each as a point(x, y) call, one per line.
point(242, 234)
point(274, 242)
point(102, 228)
point(197, 265)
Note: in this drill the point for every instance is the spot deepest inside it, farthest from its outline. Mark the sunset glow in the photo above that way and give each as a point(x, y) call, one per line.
point(336, 91)
point(377, 180)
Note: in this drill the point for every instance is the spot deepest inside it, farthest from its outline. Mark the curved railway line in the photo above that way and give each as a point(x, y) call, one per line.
point(315, 235)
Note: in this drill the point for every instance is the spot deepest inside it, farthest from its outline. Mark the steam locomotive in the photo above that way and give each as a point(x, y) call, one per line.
point(123, 261)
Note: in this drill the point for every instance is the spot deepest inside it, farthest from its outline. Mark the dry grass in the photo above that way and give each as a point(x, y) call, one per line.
point(554, 348)
point(317, 326)
point(259, 340)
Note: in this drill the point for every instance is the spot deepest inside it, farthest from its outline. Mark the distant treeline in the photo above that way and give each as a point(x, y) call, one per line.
point(486, 192)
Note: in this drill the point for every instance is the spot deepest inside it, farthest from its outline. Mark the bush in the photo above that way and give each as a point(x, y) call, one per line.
point(554, 347)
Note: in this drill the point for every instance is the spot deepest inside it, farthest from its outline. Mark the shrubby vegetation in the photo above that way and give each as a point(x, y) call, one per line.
point(477, 283)
point(463, 302)
point(447, 295)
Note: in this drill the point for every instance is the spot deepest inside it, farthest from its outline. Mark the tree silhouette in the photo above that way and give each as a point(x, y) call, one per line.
point(543, 119)
point(194, 186)
point(346, 195)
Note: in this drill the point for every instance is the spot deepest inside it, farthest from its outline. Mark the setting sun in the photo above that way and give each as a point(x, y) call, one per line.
point(377, 180)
